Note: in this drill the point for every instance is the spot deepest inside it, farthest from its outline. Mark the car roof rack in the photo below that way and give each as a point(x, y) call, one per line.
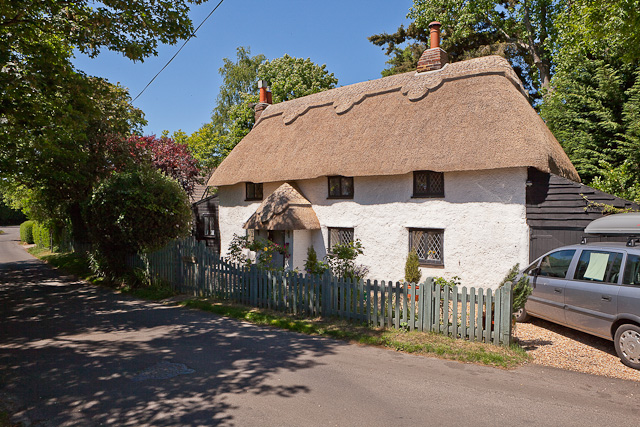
point(632, 241)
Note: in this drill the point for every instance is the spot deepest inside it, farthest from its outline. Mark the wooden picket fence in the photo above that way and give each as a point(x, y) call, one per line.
point(473, 314)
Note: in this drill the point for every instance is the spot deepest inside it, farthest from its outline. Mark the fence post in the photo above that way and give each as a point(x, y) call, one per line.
point(507, 309)
point(326, 298)
point(253, 285)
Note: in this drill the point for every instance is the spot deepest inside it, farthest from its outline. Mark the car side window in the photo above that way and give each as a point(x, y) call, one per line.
point(632, 270)
point(556, 264)
point(599, 266)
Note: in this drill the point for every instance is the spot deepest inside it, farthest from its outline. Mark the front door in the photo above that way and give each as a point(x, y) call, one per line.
point(277, 237)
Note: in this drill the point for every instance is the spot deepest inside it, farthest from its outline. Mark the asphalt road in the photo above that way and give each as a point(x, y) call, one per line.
point(74, 354)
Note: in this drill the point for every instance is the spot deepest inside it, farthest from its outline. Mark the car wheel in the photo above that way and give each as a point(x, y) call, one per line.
point(522, 315)
point(627, 343)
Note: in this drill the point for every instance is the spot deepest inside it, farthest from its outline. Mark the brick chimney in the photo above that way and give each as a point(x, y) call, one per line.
point(265, 99)
point(433, 58)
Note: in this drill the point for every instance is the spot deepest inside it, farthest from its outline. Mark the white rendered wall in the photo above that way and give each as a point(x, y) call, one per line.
point(483, 216)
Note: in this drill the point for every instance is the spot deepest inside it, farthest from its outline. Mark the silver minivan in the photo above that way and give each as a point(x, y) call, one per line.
point(592, 287)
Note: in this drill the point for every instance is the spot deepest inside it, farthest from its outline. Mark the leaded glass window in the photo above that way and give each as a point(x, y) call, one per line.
point(340, 187)
point(339, 236)
point(254, 191)
point(428, 244)
point(428, 184)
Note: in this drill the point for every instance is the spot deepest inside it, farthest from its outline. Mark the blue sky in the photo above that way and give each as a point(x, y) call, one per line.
point(331, 32)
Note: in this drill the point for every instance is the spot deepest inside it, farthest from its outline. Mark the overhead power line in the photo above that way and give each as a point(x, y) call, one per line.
point(176, 54)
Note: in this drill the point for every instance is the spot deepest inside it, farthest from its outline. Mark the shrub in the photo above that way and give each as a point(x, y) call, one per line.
point(135, 211)
point(26, 232)
point(41, 235)
point(312, 265)
point(521, 288)
point(264, 250)
point(342, 259)
point(455, 281)
point(412, 273)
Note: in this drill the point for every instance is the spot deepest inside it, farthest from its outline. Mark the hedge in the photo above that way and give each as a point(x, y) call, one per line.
point(41, 236)
point(26, 232)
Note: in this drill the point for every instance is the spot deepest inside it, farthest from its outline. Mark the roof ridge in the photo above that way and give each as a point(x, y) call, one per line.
point(415, 86)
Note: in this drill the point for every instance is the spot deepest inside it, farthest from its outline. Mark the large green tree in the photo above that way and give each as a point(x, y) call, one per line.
point(523, 31)
point(58, 124)
point(589, 27)
point(585, 112)
point(593, 105)
point(233, 116)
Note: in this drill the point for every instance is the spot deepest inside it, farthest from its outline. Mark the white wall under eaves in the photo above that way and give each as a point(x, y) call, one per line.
point(483, 214)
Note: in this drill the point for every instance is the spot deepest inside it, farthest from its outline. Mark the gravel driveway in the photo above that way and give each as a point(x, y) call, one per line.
point(560, 347)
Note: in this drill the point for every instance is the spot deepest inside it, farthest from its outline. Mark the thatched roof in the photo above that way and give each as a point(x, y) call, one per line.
point(284, 209)
point(470, 115)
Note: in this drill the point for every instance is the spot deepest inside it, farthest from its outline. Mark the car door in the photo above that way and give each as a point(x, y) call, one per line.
point(547, 298)
point(591, 296)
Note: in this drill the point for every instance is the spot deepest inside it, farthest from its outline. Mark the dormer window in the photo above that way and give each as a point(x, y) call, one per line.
point(340, 187)
point(428, 184)
point(253, 191)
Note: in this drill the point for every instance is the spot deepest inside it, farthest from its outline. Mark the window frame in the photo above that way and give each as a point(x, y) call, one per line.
point(428, 262)
point(427, 194)
point(341, 196)
point(252, 195)
point(209, 218)
point(338, 229)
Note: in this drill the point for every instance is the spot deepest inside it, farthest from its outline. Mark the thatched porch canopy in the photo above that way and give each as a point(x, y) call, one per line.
point(284, 209)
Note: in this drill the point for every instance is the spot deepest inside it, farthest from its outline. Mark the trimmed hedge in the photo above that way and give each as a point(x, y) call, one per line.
point(26, 232)
point(41, 236)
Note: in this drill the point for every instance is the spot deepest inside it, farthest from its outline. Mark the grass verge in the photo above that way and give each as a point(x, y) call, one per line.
point(423, 343)
point(68, 262)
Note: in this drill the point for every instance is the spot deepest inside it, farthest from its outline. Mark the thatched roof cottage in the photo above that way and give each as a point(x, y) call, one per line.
point(438, 160)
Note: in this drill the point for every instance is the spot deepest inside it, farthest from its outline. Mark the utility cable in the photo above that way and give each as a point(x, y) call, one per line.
point(176, 54)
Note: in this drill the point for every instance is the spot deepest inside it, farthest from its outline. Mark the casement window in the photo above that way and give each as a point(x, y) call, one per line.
point(428, 244)
point(339, 236)
point(253, 191)
point(209, 222)
point(428, 184)
point(340, 187)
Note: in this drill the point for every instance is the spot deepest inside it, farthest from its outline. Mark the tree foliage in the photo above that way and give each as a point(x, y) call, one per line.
point(233, 117)
point(585, 112)
point(136, 211)
point(167, 156)
point(592, 27)
point(521, 31)
point(239, 78)
point(61, 130)
point(291, 78)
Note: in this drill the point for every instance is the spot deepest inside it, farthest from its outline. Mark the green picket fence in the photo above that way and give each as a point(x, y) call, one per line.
point(473, 314)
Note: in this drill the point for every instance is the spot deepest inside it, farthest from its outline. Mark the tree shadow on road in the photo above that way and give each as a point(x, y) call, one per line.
point(72, 353)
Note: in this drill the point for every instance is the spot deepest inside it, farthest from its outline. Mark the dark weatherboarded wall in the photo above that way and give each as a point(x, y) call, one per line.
point(205, 224)
point(558, 210)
